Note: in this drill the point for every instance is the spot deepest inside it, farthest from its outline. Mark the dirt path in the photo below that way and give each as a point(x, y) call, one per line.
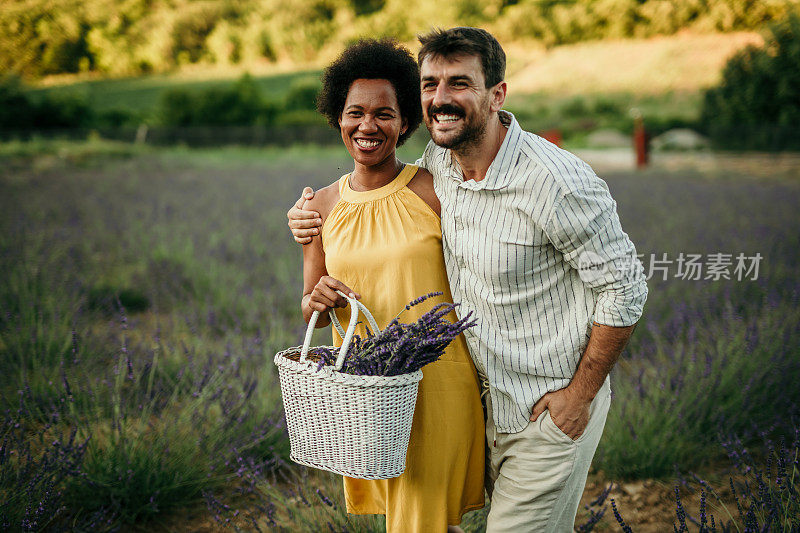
point(715, 164)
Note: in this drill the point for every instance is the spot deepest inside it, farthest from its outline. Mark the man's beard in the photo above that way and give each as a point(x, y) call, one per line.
point(471, 133)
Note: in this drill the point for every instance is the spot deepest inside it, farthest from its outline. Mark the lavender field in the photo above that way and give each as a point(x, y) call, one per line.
point(144, 293)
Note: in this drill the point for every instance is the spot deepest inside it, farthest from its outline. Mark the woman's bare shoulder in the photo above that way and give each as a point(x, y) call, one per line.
point(324, 200)
point(422, 185)
point(424, 177)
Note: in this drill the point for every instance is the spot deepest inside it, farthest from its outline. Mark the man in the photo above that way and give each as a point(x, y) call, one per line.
point(533, 245)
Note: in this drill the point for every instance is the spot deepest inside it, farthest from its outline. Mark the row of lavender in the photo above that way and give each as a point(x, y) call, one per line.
point(142, 300)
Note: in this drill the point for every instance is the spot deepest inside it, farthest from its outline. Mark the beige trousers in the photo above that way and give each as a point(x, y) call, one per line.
point(535, 478)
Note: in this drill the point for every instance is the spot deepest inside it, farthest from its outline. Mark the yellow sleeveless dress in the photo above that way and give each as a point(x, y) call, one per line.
point(386, 244)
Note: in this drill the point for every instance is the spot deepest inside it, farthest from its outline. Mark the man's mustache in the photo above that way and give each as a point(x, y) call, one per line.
point(446, 109)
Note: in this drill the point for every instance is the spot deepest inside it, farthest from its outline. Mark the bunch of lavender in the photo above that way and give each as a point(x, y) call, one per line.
point(401, 348)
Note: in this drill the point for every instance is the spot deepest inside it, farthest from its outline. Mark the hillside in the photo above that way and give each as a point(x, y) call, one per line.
point(681, 62)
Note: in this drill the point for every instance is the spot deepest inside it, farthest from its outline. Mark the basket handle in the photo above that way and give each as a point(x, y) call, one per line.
point(347, 336)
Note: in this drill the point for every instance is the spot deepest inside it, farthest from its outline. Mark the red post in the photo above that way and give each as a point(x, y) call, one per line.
point(553, 136)
point(640, 143)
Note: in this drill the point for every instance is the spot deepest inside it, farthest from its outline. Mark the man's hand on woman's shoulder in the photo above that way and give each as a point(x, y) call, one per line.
point(304, 224)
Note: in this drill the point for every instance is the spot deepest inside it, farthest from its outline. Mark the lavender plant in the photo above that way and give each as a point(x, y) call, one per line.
point(170, 401)
point(765, 489)
point(33, 471)
point(681, 384)
point(165, 443)
point(401, 348)
point(291, 500)
point(596, 511)
point(764, 494)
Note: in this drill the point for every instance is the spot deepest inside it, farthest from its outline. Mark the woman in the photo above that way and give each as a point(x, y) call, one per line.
point(381, 241)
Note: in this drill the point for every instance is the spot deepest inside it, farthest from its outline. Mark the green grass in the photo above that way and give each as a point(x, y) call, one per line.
point(141, 94)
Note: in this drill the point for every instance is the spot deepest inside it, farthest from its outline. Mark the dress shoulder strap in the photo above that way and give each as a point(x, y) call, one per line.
point(406, 175)
point(343, 184)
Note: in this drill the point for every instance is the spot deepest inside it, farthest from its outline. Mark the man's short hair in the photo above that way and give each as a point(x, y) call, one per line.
point(466, 41)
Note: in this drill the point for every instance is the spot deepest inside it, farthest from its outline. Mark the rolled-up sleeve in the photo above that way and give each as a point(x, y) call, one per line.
point(584, 226)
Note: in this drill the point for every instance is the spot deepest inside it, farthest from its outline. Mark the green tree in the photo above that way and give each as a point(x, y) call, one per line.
point(757, 103)
point(130, 37)
point(36, 39)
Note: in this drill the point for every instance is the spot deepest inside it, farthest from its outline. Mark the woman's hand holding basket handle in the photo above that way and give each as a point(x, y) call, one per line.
point(329, 293)
point(347, 336)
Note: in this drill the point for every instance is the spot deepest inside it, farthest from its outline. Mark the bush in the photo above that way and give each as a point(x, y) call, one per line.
point(177, 107)
point(63, 111)
point(757, 104)
point(19, 110)
point(115, 118)
point(16, 109)
point(302, 94)
point(239, 105)
point(40, 37)
point(160, 451)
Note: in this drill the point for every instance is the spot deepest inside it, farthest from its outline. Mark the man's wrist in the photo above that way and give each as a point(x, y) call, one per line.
point(582, 392)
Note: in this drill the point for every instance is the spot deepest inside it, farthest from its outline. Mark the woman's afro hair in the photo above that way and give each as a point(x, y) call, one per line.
point(373, 59)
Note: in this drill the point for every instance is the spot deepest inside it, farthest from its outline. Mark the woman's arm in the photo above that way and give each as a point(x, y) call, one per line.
point(319, 289)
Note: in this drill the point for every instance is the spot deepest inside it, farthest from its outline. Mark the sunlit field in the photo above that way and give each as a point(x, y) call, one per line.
point(144, 293)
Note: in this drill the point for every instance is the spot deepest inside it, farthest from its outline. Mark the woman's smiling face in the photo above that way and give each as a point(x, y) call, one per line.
point(371, 122)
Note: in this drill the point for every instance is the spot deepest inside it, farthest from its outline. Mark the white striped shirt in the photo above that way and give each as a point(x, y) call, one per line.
point(512, 245)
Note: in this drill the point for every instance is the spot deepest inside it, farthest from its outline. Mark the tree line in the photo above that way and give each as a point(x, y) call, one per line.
point(133, 37)
point(241, 103)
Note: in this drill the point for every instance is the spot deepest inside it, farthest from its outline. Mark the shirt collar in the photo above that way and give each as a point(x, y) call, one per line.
point(500, 172)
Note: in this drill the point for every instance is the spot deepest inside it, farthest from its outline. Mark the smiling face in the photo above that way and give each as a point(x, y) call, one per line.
point(371, 122)
point(456, 104)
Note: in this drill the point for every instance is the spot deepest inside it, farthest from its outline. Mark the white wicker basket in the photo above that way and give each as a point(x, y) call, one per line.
point(357, 426)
